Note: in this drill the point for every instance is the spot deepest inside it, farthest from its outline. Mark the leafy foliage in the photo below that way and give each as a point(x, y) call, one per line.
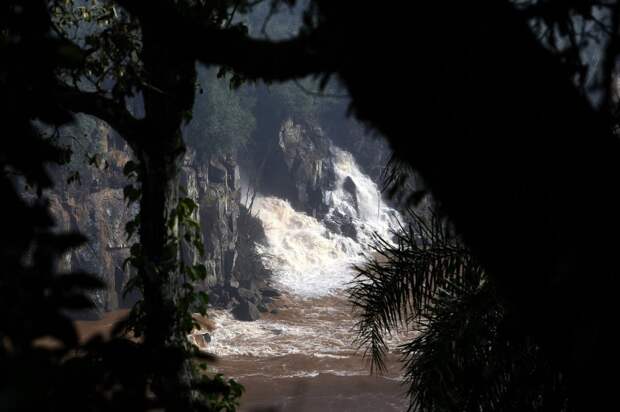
point(211, 392)
point(397, 287)
point(468, 353)
point(222, 121)
point(112, 40)
point(42, 364)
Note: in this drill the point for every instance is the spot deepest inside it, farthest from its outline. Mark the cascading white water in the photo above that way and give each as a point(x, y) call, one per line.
point(305, 257)
point(372, 214)
point(311, 265)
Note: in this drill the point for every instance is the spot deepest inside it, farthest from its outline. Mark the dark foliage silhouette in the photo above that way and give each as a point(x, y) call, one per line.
point(498, 122)
point(466, 353)
point(43, 368)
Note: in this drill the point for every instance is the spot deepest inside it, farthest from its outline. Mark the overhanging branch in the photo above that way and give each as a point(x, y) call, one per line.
point(263, 59)
point(108, 110)
point(195, 38)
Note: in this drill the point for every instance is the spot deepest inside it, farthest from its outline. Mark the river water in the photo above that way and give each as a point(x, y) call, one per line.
point(303, 356)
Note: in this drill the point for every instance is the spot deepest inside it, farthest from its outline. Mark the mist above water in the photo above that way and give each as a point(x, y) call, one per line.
point(306, 259)
point(312, 266)
point(309, 260)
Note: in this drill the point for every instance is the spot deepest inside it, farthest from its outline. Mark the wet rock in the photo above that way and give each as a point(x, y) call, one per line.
point(348, 229)
point(246, 311)
point(268, 291)
point(349, 186)
point(217, 173)
point(203, 338)
point(275, 311)
point(341, 224)
point(249, 295)
point(231, 302)
point(262, 308)
point(300, 166)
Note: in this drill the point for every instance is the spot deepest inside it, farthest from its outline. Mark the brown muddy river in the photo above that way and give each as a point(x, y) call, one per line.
point(303, 358)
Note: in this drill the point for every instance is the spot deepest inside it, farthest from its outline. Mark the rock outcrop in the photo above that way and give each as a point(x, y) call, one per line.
point(92, 203)
point(295, 165)
point(293, 161)
point(234, 269)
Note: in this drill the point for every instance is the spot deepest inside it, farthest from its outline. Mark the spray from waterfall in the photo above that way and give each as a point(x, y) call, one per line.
point(311, 265)
point(306, 257)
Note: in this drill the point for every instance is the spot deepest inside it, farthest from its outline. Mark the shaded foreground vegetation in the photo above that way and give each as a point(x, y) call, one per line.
point(510, 134)
point(467, 352)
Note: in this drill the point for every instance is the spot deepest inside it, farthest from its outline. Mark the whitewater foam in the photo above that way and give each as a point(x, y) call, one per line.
point(370, 214)
point(304, 257)
point(272, 338)
point(311, 265)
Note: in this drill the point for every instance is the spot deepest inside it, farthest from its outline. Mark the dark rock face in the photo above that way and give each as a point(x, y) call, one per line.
point(348, 229)
point(341, 224)
point(246, 311)
point(218, 196)
point(270, 292)
point(94, 205)
point(218, 173)
point(298, 167)
point(235, 271)
point(351, 188)
point(248, 295)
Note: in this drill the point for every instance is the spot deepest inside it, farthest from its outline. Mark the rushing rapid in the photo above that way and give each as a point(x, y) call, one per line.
point(308, 341)
point(311, 265)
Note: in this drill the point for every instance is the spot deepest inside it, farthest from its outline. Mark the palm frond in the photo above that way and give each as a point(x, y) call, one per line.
point(397, 286)
point(401, 183)
point(472, 357)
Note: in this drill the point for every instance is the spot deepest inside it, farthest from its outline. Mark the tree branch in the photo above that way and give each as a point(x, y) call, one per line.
point(254, 59)
point(108, 110)
point(263, 59)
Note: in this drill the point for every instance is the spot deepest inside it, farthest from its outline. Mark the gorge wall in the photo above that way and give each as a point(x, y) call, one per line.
point(293, 159)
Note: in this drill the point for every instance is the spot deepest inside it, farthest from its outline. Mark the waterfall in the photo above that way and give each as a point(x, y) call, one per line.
point(311, 265)
point(372, 214)
point(306, 257)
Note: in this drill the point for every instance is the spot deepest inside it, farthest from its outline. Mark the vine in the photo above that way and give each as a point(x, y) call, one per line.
point(213, 390)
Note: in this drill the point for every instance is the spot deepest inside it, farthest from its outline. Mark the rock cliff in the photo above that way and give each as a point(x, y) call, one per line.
point(293, 161)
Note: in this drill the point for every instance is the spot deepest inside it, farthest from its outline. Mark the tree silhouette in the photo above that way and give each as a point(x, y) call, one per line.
point(496, 121)
point(466, 353)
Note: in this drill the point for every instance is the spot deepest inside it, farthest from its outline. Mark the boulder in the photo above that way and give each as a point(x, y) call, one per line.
point(270, 292)
point(202, 339)
point(350, 187)
point(249, 295)
point(348, 229)
point(246, 311)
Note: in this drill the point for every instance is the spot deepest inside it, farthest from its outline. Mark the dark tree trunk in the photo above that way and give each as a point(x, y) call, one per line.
point(164, 335)
point(172, 80)
point(520, 162)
